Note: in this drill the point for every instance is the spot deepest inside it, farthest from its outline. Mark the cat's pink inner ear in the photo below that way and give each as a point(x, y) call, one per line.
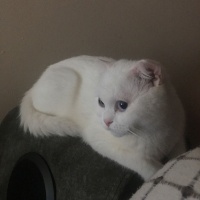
point(150, 70)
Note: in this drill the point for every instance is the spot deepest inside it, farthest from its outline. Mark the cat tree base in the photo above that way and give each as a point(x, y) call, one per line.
point(57, 168)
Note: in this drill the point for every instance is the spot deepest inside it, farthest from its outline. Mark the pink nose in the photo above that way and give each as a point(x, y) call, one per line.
point(108, 122)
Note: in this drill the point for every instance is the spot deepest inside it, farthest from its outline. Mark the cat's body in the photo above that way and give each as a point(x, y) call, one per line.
point(125, 110)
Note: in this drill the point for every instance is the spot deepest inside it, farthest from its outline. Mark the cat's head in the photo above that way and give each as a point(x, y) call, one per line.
point(119, 90)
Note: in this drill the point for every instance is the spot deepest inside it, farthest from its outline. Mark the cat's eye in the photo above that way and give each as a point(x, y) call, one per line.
point(121, 105)
point(101, 103)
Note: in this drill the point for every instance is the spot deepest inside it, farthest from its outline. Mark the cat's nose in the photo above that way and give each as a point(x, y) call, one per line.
point(108, 122)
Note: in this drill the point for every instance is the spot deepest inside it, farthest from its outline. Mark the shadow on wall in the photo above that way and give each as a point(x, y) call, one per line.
point(186, 81)
point(35, 34)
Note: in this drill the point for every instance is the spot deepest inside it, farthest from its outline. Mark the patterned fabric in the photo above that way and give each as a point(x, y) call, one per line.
point(179, 179)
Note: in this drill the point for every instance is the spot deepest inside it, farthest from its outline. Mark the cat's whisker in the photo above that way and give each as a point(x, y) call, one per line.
point(133, 133)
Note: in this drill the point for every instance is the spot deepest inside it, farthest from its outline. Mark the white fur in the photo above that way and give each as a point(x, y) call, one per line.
point(64, 101)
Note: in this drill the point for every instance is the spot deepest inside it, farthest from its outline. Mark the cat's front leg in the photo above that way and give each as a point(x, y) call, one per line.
point(133, 159)
point(138, 160)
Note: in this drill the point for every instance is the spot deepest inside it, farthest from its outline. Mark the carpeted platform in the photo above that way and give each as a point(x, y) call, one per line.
point(75, 172)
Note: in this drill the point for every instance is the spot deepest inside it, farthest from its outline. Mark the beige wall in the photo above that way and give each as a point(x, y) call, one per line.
point(34, 34)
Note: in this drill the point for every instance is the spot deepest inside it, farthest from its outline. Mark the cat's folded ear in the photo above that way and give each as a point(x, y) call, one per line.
point(149, 70)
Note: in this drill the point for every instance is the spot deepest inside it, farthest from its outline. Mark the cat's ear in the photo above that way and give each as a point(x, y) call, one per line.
point(149, 70)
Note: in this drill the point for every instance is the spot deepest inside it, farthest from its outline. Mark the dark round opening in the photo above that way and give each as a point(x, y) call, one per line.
point(31, 179)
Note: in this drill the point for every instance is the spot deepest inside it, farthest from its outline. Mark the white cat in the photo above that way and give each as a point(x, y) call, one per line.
point(126, 110)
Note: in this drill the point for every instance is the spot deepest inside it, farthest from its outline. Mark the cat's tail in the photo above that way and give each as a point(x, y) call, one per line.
point(41, 124)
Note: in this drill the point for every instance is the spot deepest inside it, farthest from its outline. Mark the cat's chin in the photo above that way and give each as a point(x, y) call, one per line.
point(118, 134)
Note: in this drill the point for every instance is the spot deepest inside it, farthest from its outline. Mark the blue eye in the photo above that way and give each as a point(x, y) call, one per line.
point(122, 105)
point(101, 104)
